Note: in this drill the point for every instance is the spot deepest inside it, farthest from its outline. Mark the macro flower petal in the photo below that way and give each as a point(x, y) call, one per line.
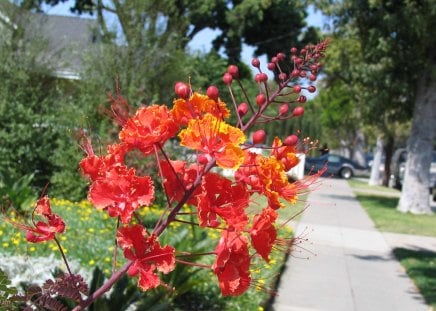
point(263, 233)
point(232, 263)
point(216, 138)
point(197, 106)
point(147, 255)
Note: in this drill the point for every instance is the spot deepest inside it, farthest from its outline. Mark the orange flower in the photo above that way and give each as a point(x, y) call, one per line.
point(275, 183)
point(216, 138)
point(196, 106)
point(267, 176)
point(285, 154)
point(150, 125)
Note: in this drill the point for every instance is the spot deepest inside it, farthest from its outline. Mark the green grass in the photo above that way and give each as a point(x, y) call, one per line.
point(421, 267)
point(382, 210)
point(364, 186)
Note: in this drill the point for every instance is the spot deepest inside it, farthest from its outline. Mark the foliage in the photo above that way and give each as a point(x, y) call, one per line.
point(7, 293)
point(392, 34)
point(28, 107)
point(382, 210)
point(248, 21)
point(420, 266)
point(16, 193)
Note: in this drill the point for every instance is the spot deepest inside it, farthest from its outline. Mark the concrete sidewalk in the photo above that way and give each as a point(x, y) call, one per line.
point(352, 267)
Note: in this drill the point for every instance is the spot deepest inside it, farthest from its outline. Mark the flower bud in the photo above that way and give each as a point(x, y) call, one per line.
point(284, 109)
point(259, 137)
point(227, 78)
point(298, 111)
point(311, 89)
point(234, 71)
point(212, 92)
point(281, 57)
point(182, 90)
point(296, 89)
point(261, 77)
point(260, 99)
point(255, 62)
point(295, 73)
point(302, 99)
point(242, 109)
point(291, 140)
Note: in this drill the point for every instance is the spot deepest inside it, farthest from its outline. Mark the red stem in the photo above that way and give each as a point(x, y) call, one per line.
point(104, 288)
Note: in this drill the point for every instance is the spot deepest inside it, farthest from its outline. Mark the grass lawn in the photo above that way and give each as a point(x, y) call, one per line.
point(420, 265)
point(382, 210)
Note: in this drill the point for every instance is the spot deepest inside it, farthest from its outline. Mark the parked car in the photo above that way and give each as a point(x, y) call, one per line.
point(398, 167)
point(336, 165)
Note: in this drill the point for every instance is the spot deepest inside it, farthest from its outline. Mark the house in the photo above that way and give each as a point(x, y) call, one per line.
point(68, 38)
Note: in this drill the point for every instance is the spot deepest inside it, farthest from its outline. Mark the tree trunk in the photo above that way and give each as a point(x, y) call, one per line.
point(374, 179)
point(359, 148)
point(389, 151)
point(415, 191)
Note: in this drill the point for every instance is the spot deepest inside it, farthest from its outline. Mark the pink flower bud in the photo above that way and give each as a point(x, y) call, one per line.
point(259, 137)
point(234, 71)
point(242, 109)
point(298, 111)
point(260, 99)
point(284, 109)
point(212, 92)
point(182, 90)
point(291, 140)
point(227, 78)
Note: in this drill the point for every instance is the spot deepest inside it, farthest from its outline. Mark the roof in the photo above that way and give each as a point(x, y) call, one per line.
point(69, 38)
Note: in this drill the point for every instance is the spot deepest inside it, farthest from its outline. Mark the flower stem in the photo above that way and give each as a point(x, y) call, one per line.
point(63, 255)
point(104, 288)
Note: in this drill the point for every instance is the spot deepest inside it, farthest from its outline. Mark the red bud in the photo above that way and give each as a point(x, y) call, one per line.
point(259, 137)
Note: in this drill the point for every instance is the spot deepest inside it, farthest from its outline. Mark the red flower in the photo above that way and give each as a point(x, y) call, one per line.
point(232, 263)
point(42, 231)
point(150, 125)
point(95, 166)
point(121, 192)
point(147, 255)
point(263, 233)
point(219, 197)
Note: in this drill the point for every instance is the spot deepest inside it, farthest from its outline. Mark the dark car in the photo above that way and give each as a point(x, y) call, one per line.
point(336, 165)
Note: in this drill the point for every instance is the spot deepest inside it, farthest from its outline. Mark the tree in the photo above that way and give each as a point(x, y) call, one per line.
point(28, 103)
point(240, 21)
point(397, 44)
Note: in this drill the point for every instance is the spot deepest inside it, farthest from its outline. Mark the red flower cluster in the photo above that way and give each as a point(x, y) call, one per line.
point(218, 202)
